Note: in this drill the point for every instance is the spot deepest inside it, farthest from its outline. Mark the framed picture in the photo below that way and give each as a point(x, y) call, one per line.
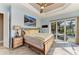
point(29, 21)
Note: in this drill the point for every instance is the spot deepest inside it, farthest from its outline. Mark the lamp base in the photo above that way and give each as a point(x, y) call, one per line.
point(17, 34)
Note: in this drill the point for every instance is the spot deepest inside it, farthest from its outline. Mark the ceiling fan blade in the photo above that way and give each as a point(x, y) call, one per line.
point(41, 11)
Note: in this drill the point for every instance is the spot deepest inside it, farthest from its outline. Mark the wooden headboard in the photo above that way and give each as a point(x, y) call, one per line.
point(31, 30)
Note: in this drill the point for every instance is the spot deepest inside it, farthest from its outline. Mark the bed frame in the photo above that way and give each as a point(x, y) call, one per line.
point(46, 46)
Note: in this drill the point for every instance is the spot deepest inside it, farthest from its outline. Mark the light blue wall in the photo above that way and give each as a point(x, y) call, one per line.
point(17, 16)
point(4, 7)
point(44, 22)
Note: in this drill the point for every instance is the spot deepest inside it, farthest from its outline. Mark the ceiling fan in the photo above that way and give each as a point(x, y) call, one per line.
point(42, 7)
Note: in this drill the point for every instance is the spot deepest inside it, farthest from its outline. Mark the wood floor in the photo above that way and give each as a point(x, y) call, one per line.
point(59, 48)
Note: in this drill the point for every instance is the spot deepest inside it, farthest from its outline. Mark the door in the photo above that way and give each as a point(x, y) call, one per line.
point(1, 28)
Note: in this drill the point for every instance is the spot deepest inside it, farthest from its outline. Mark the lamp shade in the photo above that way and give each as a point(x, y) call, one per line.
point(16, 27)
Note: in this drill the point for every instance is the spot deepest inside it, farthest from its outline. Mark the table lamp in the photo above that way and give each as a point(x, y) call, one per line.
point(17, 28)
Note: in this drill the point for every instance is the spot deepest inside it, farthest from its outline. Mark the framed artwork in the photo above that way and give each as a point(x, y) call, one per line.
point(29, 21)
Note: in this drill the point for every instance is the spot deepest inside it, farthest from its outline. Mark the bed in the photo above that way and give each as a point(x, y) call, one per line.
point(40, 41)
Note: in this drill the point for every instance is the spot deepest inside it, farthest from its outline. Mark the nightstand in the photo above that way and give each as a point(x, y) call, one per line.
point(17, 41)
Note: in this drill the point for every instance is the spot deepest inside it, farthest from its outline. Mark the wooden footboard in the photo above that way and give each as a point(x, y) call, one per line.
point(47, 44)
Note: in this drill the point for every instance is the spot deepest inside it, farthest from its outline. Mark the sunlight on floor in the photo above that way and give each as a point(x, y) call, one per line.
point(65, 48)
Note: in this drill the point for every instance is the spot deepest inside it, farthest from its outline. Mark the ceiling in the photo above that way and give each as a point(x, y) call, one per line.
point(52, 10)
point(48, 6)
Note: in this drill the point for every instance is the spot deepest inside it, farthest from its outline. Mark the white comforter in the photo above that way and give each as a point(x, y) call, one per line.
point(37, 39)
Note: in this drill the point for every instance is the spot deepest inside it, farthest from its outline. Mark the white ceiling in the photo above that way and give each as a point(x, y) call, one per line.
point(49, 6)
point(62, 10)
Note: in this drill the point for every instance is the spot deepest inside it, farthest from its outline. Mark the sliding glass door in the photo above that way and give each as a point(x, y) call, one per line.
point(64, 29)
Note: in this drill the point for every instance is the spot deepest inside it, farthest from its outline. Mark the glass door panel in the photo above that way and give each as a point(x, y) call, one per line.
point(60, 30)
point(70, 30)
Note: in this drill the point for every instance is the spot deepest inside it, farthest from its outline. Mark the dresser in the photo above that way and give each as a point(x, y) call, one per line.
point(17, 41)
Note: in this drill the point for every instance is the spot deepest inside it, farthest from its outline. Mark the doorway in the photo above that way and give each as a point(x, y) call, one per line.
point(1, 29)
point(64, 29)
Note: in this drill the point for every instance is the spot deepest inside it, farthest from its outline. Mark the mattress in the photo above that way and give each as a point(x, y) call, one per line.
point(37, 39)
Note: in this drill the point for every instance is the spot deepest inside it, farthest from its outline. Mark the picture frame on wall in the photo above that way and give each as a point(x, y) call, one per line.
point(29, 21)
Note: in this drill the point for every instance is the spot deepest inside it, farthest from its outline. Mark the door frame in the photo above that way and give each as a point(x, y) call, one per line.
point(6, 31)
point(2, 28)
